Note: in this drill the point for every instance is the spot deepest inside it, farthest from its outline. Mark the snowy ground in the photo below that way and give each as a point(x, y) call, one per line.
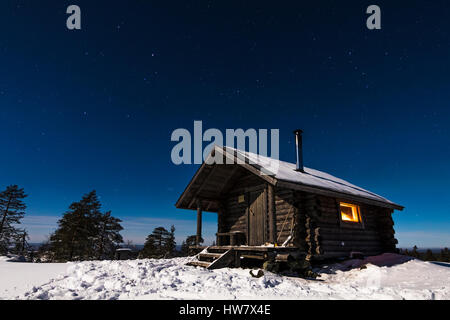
point(383, 277)
point(17, 278)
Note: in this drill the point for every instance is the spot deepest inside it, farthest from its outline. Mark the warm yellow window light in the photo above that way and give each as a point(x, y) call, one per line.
point(350, 212)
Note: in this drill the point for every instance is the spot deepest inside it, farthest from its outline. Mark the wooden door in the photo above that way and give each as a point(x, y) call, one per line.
point(256, 220)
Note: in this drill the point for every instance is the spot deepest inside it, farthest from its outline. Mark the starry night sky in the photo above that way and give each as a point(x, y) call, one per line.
point(95, 108)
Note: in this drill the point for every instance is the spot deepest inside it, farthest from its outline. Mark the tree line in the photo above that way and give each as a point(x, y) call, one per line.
point(427, 255)
point(83, 233)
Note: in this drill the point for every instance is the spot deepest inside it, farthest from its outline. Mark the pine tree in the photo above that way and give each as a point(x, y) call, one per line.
point(149, 250)
point(170, 244)
point(12, 210)
point(108, 236)
point(129, 244)
point(444, 256)
point(190, 241)
point(415, 252)
point(184, 249)
point(429, 255)
point(22, 245)
point(72, 240)
point(159, 244)
point(84, 233)
point(45, 252)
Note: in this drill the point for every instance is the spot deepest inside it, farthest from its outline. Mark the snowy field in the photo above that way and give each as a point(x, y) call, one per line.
point(17, 278)
point(387, 276)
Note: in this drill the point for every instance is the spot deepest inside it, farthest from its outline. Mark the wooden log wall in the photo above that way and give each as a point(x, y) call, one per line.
point(311, 209)
point(313, 221)
point(234, 217)
point(285, 210)
point(385, 225)
point(319, 231)
point(334, 238)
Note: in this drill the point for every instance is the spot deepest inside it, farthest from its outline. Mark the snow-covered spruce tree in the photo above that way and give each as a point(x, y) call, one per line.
point(12, 210)
point(84, 233)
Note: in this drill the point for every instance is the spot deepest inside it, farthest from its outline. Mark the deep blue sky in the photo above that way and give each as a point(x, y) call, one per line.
point(94, 109)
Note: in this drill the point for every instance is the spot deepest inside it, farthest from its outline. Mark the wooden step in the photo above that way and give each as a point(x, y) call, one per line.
point(252, 256)
point(219, 258)
point(209, 256)
point(223, 261)
point(203, 264)
point(217, 250)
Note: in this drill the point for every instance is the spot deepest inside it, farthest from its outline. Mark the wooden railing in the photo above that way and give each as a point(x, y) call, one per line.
point(234, 238)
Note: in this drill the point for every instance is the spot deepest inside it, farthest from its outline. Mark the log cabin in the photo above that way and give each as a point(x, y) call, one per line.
point(268, 208)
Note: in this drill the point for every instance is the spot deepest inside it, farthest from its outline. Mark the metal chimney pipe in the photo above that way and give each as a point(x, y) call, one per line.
point(299, 149)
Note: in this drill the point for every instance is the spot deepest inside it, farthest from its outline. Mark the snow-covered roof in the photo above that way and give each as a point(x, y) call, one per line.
point(286, 171)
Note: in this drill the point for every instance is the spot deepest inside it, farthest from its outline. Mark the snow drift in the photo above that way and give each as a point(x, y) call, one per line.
point(383, 277)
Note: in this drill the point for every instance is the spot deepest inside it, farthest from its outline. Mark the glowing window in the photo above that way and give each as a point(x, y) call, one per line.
point(350, 212)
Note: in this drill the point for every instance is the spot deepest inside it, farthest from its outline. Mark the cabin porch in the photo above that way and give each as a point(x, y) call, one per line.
point(215, 257)
point(244, 204)
point(244, 218)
